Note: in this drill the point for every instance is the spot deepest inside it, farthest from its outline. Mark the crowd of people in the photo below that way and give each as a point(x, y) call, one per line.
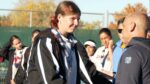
point(57, 57)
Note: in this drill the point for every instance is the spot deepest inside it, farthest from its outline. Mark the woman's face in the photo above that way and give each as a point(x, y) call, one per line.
point(90, 50)
point(67, 23)
point(104, 38)
point(17, 44)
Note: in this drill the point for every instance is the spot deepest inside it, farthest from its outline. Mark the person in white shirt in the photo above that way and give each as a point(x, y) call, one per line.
point(90, 46)
point(103, 55)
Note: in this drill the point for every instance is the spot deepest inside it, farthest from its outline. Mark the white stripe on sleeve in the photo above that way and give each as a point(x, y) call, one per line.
point(83, 69)
point(49, 46)
point(41, 62)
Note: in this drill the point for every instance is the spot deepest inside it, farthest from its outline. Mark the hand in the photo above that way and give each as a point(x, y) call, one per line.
point(12, 82)
point(106, 73)
point(111, 44)
point(110, 49)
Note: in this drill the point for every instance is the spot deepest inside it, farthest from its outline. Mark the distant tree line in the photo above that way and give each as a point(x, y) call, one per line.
point(43, 10)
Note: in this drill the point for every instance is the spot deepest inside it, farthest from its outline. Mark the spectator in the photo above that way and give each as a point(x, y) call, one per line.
point(34, 34)
point(90, 47)
point(26, 58)
point(148, 34)
point(57, 57)
point(103, 55)
point(134, 66)
point(119, 47)
point(14, 51)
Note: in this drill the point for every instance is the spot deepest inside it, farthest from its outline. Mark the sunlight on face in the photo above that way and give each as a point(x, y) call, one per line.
point(120, 27)
point(17, 44)
point(105, 39)
point(90, 50)
point(68, 23)
point(125, 32)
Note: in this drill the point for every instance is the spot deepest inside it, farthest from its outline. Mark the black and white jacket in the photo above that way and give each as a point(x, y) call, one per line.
point(19, 76)
point(46, 65)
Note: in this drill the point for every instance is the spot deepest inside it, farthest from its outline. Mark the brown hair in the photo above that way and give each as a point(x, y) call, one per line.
point(105, 30)
point(65, 8)
point(8, 46)
point(35, 31)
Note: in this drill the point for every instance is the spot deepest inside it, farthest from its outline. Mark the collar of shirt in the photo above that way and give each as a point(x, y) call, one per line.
point(71, 39)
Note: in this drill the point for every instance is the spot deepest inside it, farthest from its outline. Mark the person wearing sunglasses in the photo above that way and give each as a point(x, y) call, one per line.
point(118, 49)
point(134, 65)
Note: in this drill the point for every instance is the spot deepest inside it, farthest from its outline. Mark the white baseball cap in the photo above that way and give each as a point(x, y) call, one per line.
point(90, 43)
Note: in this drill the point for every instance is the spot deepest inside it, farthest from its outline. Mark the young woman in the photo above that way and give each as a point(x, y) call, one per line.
point(103, 55)
point(57, 57)
point(14, 51)
point(90, 46)
point(27, 54)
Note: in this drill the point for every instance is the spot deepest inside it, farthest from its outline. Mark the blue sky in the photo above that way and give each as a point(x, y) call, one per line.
point(94, 6)
point(110, 5)
point(104, 6)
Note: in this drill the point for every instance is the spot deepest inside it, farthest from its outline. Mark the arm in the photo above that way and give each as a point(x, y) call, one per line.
point(110, 49)
point(9, 71)
point(94, 75)
point(107, 69)
point(47, 67)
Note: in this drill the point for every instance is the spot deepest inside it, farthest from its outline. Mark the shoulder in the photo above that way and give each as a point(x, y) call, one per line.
point(132, 53)
point(99, 51)
point(79, 44)
point(44, 34)
point(80, 47)
point(100, 48)
point(136, 49)
point(119, 43)
point(43, 37)
point(138, 52)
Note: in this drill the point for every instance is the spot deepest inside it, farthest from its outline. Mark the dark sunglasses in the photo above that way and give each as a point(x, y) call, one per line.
point(119, 30)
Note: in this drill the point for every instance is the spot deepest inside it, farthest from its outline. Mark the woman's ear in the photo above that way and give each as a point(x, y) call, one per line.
point(59, 17)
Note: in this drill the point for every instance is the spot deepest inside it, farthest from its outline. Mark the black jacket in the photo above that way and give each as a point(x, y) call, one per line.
point(134, 67)
point(51, 73)
point(20, 75)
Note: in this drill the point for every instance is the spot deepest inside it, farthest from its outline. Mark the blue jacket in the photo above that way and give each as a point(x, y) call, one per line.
point(117, 55)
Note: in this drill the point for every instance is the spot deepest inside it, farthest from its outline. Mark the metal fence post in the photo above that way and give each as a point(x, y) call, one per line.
point(30, 24)
point(106, 16)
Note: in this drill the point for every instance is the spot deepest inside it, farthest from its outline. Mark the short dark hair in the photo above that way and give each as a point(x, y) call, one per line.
point(36, 31)
point(105, 30)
